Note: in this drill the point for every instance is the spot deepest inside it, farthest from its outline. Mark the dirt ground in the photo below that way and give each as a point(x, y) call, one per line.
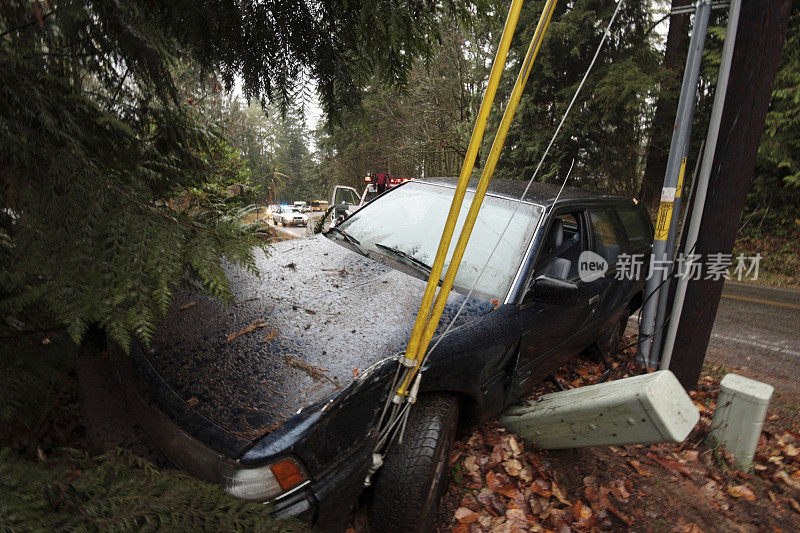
point(501, 483)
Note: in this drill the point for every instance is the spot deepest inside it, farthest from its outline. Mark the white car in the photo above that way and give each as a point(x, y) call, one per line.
point(287, 215)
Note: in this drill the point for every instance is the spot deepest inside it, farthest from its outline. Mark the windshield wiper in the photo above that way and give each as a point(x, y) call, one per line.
point(349, 238)
point(405, 255)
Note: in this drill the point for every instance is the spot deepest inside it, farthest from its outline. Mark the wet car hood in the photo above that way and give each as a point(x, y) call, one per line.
point(318, 315)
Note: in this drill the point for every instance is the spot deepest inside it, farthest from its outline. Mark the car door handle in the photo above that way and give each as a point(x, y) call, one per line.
point(593, 299)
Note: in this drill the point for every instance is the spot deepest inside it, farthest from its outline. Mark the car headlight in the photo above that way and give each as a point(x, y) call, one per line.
point(264, 482)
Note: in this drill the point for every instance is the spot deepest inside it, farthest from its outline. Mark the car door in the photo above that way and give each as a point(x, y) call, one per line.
point(552, 333)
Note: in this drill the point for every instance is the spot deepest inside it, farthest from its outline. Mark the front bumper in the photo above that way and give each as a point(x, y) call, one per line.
point(325, 499)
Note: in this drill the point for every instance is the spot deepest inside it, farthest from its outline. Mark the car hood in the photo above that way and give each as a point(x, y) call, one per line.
point(316, 317)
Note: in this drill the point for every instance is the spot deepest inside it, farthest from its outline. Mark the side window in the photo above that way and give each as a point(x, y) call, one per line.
point(562, 247)
point(608, 236)
point(636, 227)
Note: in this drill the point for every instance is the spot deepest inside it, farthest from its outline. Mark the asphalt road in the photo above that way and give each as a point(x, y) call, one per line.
point(757, 332)
point(293, 231)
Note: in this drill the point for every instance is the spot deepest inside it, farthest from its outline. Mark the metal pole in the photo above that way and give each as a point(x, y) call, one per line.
point(672, 242)
point(705, 172)
point(674, 174)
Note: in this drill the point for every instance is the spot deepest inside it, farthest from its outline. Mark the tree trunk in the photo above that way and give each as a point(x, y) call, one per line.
point(762, 26)
point(666, 107)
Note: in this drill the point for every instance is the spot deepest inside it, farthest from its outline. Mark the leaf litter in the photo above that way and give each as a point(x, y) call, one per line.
point(502, 483)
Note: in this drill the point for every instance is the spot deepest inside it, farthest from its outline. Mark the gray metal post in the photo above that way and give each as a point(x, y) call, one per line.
point(705, 172)
point(672, 242)
point(675, 165)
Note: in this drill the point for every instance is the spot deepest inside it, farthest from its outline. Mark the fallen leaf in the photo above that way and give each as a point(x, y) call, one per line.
point(314, 372)
point(690, 455)
point(355, 372)
point(470, 502)
point(513, 467)
point(193, 401)
point(495, 481)
point(742, 491)
point(628, 521)
point(642, 471)
point(187, 306)
point(271, 334)
point(541, 487)
point(466, 516)
point(509, 491)
point(794, 504)
point(673, 466)
point(583, 515)
point(620, 491)
point(558, 494)
point(712, 491)
point(256, 324)
point(470, 464)
point(684, 527)
point(492, 502)
point(515, 447)
point(790, 450)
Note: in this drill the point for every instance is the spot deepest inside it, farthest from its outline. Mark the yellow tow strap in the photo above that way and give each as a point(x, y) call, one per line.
point(428, 318)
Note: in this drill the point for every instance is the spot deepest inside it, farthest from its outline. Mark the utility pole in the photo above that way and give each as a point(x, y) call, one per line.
point(663, 247)
point(758, 44)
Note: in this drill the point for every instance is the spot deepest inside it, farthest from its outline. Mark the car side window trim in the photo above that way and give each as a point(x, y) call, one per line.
point(528, 266)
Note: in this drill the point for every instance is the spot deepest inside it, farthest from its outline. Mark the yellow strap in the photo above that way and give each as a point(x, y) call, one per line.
point(494, 154)
point(466, 172)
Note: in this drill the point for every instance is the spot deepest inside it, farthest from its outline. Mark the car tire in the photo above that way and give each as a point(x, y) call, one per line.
point(411, 482)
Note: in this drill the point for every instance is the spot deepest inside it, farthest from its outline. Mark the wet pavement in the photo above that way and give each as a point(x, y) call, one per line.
point(757, 332)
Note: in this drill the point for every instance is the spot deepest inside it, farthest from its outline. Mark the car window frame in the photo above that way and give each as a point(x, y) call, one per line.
point(528, 265)
point(611, 207)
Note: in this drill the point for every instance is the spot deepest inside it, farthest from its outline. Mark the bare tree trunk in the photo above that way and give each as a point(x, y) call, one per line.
point(666, 107)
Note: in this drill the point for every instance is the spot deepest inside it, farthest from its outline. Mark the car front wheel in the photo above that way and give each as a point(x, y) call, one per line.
point(413, 477)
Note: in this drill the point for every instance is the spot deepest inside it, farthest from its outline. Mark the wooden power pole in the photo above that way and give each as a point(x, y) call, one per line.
point(762, 27)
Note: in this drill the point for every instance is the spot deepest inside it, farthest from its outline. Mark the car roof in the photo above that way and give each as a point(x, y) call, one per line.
point(539, 193)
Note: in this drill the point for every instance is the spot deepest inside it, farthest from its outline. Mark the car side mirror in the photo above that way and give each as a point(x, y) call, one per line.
point(554, 291)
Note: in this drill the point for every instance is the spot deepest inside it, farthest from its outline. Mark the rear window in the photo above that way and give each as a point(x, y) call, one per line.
point(636, 226)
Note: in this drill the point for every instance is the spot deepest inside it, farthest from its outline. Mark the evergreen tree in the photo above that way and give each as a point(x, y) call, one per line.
point(604, 133)
point(112, 153)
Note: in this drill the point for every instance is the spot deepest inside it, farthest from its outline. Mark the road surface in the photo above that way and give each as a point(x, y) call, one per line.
point(757, 331)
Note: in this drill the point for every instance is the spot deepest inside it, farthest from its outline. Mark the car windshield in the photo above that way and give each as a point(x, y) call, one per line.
point(407, 224)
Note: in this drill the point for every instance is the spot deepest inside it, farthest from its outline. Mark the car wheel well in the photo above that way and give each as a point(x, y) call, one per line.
point(635, 303)
point(469, 413)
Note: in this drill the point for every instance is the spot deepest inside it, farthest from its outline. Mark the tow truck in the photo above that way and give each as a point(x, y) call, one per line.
point(346, 200)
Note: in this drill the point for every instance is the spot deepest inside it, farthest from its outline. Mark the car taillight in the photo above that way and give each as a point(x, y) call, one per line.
point(262, 483)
